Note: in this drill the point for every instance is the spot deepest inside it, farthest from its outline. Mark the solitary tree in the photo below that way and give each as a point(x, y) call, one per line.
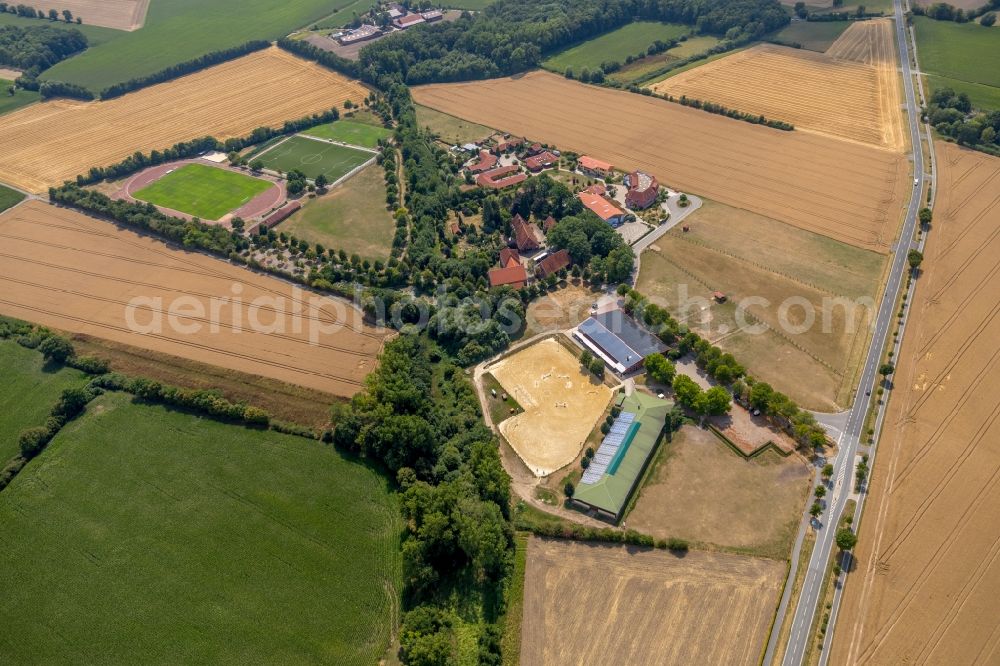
point(67, 16)
point(53, 15)
point(915, 257)
point(886, 369)
point(57, 348)
point(926, 215)
point(815, 509)
point(988, 19)
point(321, 181)
point(846, 539)
point(820, 491)
point(585, 358)
point(569, 489)
point(827, 471)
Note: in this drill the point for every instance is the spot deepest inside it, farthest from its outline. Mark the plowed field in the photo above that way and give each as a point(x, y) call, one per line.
point(592, 604)
point(68, 271)
point(841, 189)
point(118, 14)
point(813, 91)
point(928, 559)
point(45, 144)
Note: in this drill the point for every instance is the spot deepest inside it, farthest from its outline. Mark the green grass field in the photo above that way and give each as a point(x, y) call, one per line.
point(812, 35)
point(179, 30)
point(614, 46)
point(351, 131)
point(9, 197)
point(203, 191)
point(352, 217)
point(144, 535)
point(29, 389)
point(641, 68)
point(344, 13)
point(313, 158)
point(20, 98)
point(450, 128)
point(96, 35)
point(963, 56)
point(473, 5)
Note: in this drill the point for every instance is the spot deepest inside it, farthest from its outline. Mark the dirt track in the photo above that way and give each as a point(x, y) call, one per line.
point(44, 144)
point(841, 189)
point(68, 271)
point(119, 14)
point(594, 604)
point(813, 91)
point(561, 404)
point(927, 579)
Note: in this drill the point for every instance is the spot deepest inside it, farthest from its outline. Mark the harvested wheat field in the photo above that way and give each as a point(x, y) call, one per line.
point(841, 189)
point(813, 91)
point(592, 604)
point(561, 403)
point(46, 144)
point(928, 559)
point(65, 270)
point(118, 14)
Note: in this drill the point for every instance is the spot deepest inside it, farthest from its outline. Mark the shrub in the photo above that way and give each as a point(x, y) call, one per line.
point(678, 545)
point(33, 440)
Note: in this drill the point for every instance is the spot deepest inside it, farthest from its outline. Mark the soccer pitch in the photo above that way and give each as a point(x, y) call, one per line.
point(352, 132)
point(313, 158)
point(202, 191)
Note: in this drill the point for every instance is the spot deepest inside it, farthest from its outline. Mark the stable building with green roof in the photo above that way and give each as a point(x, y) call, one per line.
point(621, 459)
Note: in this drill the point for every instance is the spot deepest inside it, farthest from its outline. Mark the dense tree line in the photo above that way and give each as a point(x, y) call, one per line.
point(25, 11)
point(420, 418)
point(38, 47)
point(328, 59)
point(719, 109)
point(943, 11)
point(953, 115)
point(187, 67)
point(724, 369)
point(513, 35)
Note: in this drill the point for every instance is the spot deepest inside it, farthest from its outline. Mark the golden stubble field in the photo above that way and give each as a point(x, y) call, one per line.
point(845, 190)
point(68, 271)
point(928, 558)
point(118, 14)
point(561, 402)
point(816, 92)
point(591, 604)
point(45, 144)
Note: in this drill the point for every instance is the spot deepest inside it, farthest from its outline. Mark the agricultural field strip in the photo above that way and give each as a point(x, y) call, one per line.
point(931, 538)
point(52, 278)
point(844, 190)
point(118, 14)
point(45, 144)
point(810, 90)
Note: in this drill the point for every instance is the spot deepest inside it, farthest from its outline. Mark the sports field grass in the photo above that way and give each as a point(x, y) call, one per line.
point(145, 535)
point(963, 56)
point(351, 131)
point(812, 35)
point(20, 98)
point(202, 191)
point(449, 128)
point(616, 45)
point(313, 157)
point(9, 197)
point(352, 217)
point(29, 389)
point(180, 30)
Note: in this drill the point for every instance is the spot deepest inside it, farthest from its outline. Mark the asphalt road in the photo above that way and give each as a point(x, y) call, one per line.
point(852, 432)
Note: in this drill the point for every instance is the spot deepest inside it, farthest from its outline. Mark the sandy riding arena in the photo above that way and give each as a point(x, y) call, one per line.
point(593, 604)
point(928, 560)
point(118, 14)
point(561, 404)
point(45, 144)
point(814, 92)
point(844, 190)
point(68, 271)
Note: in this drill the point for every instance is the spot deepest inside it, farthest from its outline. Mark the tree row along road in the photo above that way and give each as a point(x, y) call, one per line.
point(809, 596)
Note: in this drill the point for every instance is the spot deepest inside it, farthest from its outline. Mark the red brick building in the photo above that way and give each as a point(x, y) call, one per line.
point(553, 263)
point(543, 160)
point(527, 236)
point(642, 190)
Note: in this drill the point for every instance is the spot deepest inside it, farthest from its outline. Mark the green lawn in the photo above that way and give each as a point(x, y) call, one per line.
point(353, 132)
point(9, 197)
point(616, 45)
point(963, 56)
point(474, 5)
point(352, 217)
point(450, 128)
point(812, 35)
point(313, 158)
point(203, 191)
point(179, 30)
point(20, 98)
point(344, 13)
point(29, 389)
point(640, 68)
point(144, 535)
